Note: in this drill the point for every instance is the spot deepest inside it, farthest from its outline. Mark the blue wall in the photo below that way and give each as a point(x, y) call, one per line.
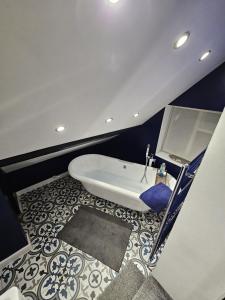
point(209, 93)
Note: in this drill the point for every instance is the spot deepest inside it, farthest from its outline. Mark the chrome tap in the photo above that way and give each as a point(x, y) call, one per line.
point(147, 158)
point(147, 151)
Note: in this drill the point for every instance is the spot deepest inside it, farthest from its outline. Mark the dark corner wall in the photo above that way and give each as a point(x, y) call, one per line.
point(12, 235)
point(209, 94)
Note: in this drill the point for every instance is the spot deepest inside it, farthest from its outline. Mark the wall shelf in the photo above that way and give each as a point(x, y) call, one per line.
point(167, 157)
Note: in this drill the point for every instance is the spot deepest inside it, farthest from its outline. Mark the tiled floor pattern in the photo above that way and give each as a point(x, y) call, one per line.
point(56, 270)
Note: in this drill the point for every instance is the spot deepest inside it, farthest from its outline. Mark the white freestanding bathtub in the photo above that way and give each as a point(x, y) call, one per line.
point(115, 180)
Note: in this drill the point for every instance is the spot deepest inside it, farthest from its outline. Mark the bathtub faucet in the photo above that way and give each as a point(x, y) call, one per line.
point(147, 159)
point(147, 151)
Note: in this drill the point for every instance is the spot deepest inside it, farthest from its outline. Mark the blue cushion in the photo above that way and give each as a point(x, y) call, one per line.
point(157, 197)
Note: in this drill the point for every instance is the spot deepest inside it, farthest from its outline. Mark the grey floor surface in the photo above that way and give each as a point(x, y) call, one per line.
point(125, 286)
point(130, 284)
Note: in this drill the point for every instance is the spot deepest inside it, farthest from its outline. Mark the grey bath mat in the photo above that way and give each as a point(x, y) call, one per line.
point(125, 285)
point(98, 234)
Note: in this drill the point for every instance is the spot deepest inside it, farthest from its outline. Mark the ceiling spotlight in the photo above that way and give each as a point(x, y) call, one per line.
point(182, 40)
point(136, 115)
point(204, 55)
point(109, 120)
point(60, 128)
point(114, 1)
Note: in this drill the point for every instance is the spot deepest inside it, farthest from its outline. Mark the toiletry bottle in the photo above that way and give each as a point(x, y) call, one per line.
point(162, 170)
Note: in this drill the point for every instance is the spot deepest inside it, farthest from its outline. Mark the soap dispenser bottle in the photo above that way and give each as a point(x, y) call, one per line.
point(162, 170)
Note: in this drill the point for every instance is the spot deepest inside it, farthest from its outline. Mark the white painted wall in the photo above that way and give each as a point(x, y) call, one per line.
point(77, 62)
point(192, 265)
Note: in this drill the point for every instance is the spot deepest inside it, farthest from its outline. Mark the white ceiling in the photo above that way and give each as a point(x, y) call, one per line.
point(78, 62)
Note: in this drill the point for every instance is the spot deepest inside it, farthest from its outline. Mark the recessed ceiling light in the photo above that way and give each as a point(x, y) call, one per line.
point(60, 128)
point(114, 1)
point(204, 55)
point(109, 120)
point(136, 115)
point(182, 40)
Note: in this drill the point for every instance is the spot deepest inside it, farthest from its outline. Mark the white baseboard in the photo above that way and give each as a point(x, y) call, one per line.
point(40, 184)
point(15, 255)
point(18, 203)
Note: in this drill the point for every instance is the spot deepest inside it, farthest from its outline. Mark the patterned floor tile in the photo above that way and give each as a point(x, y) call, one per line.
point(55, 270)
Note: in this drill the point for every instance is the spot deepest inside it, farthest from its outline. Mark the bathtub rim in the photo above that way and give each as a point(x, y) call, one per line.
point(103, 184)
point(89, 180)
point(109, 158)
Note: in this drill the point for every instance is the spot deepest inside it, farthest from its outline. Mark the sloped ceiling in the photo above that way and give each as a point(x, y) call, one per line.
point(77, 62)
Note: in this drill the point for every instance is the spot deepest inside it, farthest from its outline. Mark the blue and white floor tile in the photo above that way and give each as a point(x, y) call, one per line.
point(56, 270)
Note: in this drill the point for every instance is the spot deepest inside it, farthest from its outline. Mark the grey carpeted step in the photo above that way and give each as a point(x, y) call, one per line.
point(151, 290)
point(125, 285)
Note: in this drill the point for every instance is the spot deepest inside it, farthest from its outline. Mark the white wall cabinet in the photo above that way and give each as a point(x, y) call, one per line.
point(185, 132)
